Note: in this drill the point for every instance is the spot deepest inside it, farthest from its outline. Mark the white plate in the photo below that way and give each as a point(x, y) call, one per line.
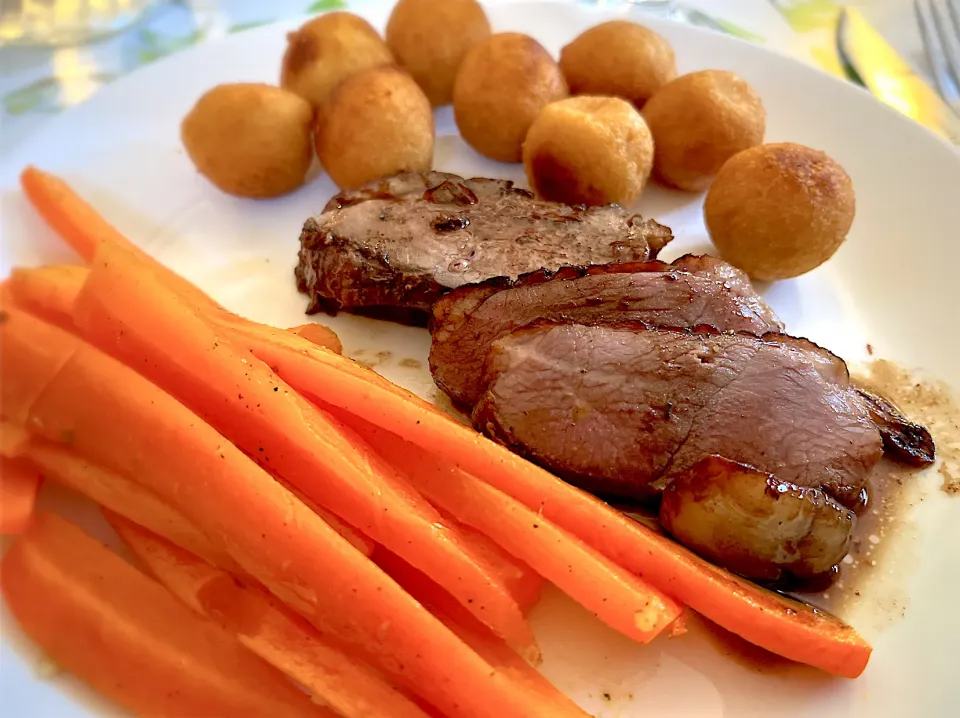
point(894, 284)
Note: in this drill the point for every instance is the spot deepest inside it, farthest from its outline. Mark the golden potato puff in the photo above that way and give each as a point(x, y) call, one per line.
point(588, 150)
point(618, 58)
point(250, 140)
point(326, 51)
point(699, 121)
point(503, 83)
point(779, 210)
point(430, 38)
point(376, 124)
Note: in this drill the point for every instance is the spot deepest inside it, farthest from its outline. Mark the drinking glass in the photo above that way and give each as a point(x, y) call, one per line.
point(66, 22)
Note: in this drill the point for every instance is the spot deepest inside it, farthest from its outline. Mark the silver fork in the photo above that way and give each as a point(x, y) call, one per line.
point(939, 22)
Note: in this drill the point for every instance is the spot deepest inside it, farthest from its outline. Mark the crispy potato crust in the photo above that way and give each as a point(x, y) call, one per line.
point(503, 83)
point(779, 210)
point(250, 140)
point(588, 150)
point(377, 123)
point(430, 38)
point(699, 121)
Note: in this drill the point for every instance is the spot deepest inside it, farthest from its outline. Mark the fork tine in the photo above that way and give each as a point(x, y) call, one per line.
point(949, 32)
point(932, 48)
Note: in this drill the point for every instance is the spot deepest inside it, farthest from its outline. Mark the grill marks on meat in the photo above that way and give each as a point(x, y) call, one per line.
point(691, 291)
point(404, 241)
point(620, 410)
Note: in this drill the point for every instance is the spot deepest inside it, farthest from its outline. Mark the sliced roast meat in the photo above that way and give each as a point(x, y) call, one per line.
point(404, 241)
point(622, 410)
point(755, 524)
point(691, 291)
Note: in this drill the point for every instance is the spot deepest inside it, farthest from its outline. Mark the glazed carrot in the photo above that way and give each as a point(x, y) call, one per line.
point(618, 598)
point(126, 309)
point(523, 583)
point(121, 421)
point(128, 638)
point(48, 292)
point(13, 439)
point(320, 335)
point(469, 629)
point(73, 219)
point(84, 229)
point(755, 614)
point(19, 483)
point(269, 629)
point(363, 544)
point(112, 491)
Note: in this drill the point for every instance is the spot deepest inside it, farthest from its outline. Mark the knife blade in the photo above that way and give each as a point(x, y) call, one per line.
point(890, 78)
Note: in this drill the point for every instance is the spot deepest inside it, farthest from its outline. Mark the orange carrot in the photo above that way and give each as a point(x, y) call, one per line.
point(127, 498)
point(523, 583)
point(13, 439)
point(468, 628)
point(125, 636)
point(363, 544)
point(73, 219)
point(19, 483)
point(127, 310)
point(48, 292)
point(320, 335)
point(121, 421)
point(755, 614)
point(269, 629)
point(84, 229)
point(619, 599)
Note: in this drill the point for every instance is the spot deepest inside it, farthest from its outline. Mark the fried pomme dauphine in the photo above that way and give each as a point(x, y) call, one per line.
point(326, 51)
point(503, 83)
point(618, 58)
point(699, 121)
point(250, 140)
point(779, 210)
point(588, 150)
point(430, 38)
point(376, 124)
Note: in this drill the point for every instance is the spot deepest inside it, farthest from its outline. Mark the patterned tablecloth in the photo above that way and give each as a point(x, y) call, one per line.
point(36, 83)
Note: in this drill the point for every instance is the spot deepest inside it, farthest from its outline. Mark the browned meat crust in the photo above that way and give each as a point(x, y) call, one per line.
point(692, 290)
point(405, 241)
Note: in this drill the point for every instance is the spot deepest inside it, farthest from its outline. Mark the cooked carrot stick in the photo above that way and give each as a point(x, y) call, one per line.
point(131, 500)
point(112, 491)
point(19, 483)
point(84, 229)
point(126, 309)
point(121, 421)
point(128, 638)
point(269, 629)
point(13, 439)
point(320, 335)
point(618, 598)
point(523, 583)
point(73, 219)
point(755, 614)
point(48, 292)
point(470, 630)
point(363, 544)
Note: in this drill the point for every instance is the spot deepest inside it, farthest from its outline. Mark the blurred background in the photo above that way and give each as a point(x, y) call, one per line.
point(56, 53)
